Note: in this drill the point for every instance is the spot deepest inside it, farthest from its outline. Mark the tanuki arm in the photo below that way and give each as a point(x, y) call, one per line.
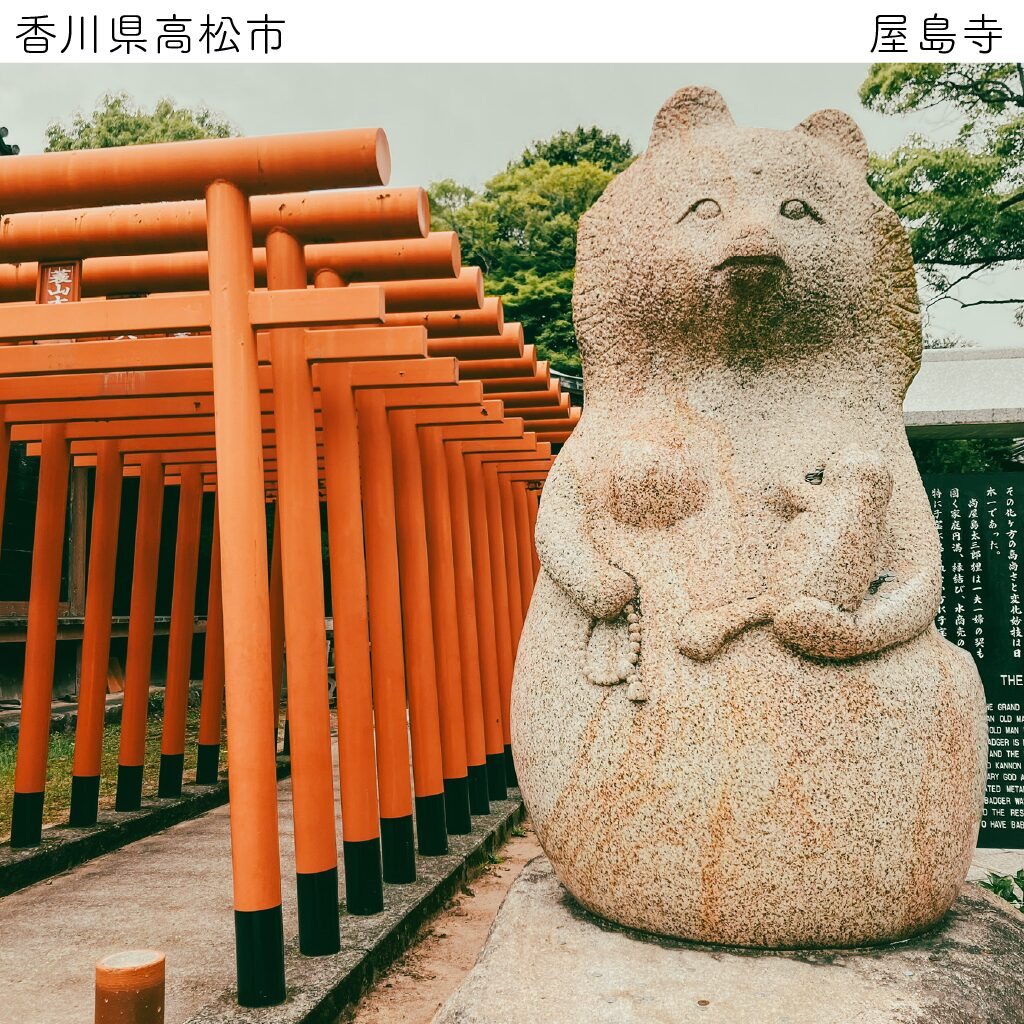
point(567, 554)
point(822, 630)
point(901, 608)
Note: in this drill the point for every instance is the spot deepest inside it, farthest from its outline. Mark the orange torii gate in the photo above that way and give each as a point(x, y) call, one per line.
point(108, 404)
point(93, 429)
point(146, 435)
point(139, 442)
point(223, 173)
point(233, 309)
point(346, 816)
point(108, 225)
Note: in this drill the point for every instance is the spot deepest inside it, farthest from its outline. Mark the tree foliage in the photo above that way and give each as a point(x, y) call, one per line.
point(521, 229)
point(963, 200)
point(604, 149)
point(118, 120)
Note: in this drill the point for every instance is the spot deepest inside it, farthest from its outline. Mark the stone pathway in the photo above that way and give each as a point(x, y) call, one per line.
point(171, 891)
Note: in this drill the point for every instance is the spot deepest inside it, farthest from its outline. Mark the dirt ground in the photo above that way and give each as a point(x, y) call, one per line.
point(416, 986)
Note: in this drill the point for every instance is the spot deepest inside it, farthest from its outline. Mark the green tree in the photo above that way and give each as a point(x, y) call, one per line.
point(962, 199)
point(118, 120)
point(520, 229)
point(605, 149)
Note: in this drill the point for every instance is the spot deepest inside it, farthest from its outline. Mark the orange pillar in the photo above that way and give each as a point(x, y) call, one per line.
point(418, 619)
point(500, 589)
point(248, 683)
point(309, 714)
point(357, 762)
point(396, 855)
point(135, 711)
point(524, 542)
point(398, 528)
point(533, 507)
point(41, 641)
point(182, 628)
point(212, 703)
point(500, 511)
point(511, 535)
point(99, 602)
point(492, 662)
point(277, 625)
point(447, 656)
point(466, 623)
point(386, 657)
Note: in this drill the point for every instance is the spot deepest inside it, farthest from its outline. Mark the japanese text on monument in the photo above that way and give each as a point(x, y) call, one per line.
point(976, 517)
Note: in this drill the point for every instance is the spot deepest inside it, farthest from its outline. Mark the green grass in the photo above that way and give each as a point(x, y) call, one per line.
point(58, 770)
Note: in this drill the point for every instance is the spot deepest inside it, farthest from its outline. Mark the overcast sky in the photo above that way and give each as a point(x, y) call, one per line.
point(467, 121)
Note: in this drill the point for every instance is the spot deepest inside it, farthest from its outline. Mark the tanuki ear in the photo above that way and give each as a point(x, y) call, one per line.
point(695, 106)
point(841, 132)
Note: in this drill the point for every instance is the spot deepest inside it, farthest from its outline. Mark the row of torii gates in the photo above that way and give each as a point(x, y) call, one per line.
point(277, 339)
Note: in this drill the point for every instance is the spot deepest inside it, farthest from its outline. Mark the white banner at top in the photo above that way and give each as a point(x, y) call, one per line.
point(556, 31)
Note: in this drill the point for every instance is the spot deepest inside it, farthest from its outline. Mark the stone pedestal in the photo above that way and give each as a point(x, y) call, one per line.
point(548, 960)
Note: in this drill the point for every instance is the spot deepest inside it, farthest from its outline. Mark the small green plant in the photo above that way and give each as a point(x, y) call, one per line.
point(518, 831)
point(1007, 887)
point(494, 858)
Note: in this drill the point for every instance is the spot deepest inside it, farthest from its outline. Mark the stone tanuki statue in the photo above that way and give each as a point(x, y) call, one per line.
point(733, 718)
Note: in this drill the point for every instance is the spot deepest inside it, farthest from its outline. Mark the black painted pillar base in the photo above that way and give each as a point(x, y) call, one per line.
point(479, 801)
point(497, 787)
point(398, 850)
point(319, 927)
point(431, 834)
point(456, 807)
point(259, 956)
point(207, 764)
point(27, 820)
point(364, 882)
point(129, 787)
point(172, 767)
point(85, 800)
point(510, 767)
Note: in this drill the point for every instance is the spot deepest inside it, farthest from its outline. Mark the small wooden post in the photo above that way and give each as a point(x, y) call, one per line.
point(130, 988)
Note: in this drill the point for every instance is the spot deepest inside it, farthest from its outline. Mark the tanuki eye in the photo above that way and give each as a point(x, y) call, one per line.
point(703, 208)
point(797, 209)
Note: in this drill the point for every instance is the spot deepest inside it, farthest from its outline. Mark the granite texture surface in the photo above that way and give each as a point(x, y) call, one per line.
point(729, 681)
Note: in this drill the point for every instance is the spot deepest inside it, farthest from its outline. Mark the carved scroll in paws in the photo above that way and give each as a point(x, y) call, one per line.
point(613, 653)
